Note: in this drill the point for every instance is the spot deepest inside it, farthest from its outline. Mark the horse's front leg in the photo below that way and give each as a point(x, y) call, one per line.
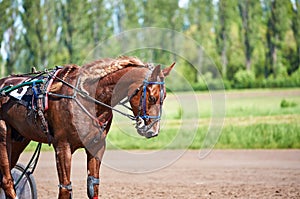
point(93, 165)
point(7, 181)
point(63, 164)
point(93, 168)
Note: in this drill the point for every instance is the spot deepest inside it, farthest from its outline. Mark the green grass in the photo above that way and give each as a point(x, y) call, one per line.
point(239, 103)
point(254, 119)
point(262, 136)
point(271, 132)
point(267, 119)
point(32, 146)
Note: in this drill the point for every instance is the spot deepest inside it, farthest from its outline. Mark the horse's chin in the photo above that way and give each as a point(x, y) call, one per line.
point(147, 134)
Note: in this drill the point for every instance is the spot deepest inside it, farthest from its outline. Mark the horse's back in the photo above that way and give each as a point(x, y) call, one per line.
point(12, 80)
point(9, 81)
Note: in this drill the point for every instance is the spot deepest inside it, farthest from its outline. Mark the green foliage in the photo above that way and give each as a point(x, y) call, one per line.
point(227, 16)
point(188, 71)
point(296, 30)
point(207, 82)
point(179, 113)
point(278, 24)
point(244, 79)
point(282, 81)
point(260, 36)
point(295, 77)
point(286, 104)
point(200, 15)
point(251, 16)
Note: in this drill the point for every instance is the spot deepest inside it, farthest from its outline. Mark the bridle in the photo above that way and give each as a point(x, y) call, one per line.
point(142, 115)
point(142, 108)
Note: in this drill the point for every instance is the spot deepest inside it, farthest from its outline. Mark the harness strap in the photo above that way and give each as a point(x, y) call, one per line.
point(49, 86)
point(67, 187)
point(85, 95)
point(7, 89)
point(101, 125)
point(45, 126)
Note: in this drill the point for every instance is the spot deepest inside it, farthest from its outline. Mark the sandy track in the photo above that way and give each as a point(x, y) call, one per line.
point(222, 174)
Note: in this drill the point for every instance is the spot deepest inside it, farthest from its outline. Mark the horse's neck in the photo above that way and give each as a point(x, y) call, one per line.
point(123, 83)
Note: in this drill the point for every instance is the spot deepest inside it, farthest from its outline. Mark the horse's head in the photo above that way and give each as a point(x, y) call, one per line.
point(147, 100)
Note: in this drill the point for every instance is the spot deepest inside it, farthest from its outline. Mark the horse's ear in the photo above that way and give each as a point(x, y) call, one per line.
point(155, 73)
point(166, 71)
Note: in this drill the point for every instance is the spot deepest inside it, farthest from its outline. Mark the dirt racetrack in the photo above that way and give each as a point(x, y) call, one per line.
point(222, 174)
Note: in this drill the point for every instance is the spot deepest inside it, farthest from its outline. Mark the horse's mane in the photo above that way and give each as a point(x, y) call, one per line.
point(103, 67)
point(92, 72)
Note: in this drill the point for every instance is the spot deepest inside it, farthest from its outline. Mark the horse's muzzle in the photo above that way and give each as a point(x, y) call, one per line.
point(148, 131)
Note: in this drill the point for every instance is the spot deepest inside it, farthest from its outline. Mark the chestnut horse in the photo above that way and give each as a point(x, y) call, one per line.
point(80, 109)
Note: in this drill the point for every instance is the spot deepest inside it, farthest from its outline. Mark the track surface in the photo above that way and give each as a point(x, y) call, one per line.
point(222, 174)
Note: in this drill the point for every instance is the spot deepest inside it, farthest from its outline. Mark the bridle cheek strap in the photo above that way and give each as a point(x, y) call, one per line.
point(143, 100)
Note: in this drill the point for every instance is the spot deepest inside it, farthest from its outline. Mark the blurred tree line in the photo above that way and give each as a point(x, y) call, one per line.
point(253, 43)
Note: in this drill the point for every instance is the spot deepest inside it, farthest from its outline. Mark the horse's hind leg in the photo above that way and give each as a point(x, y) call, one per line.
point(7, 181)
point(18, 144)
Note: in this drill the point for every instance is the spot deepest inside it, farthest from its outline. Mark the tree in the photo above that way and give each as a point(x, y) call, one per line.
point(251, 14)
point(278, 24)
point(38, 20)
point(163, 14)
point(99, 13)
point(76, 34)
point(296, 29)
point(4, 24)
point(132, 14)
point(200, 15)
point(226, 16)
point(10, 36)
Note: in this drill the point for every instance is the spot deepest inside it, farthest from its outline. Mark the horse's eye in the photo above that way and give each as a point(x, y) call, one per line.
point(152, 99)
